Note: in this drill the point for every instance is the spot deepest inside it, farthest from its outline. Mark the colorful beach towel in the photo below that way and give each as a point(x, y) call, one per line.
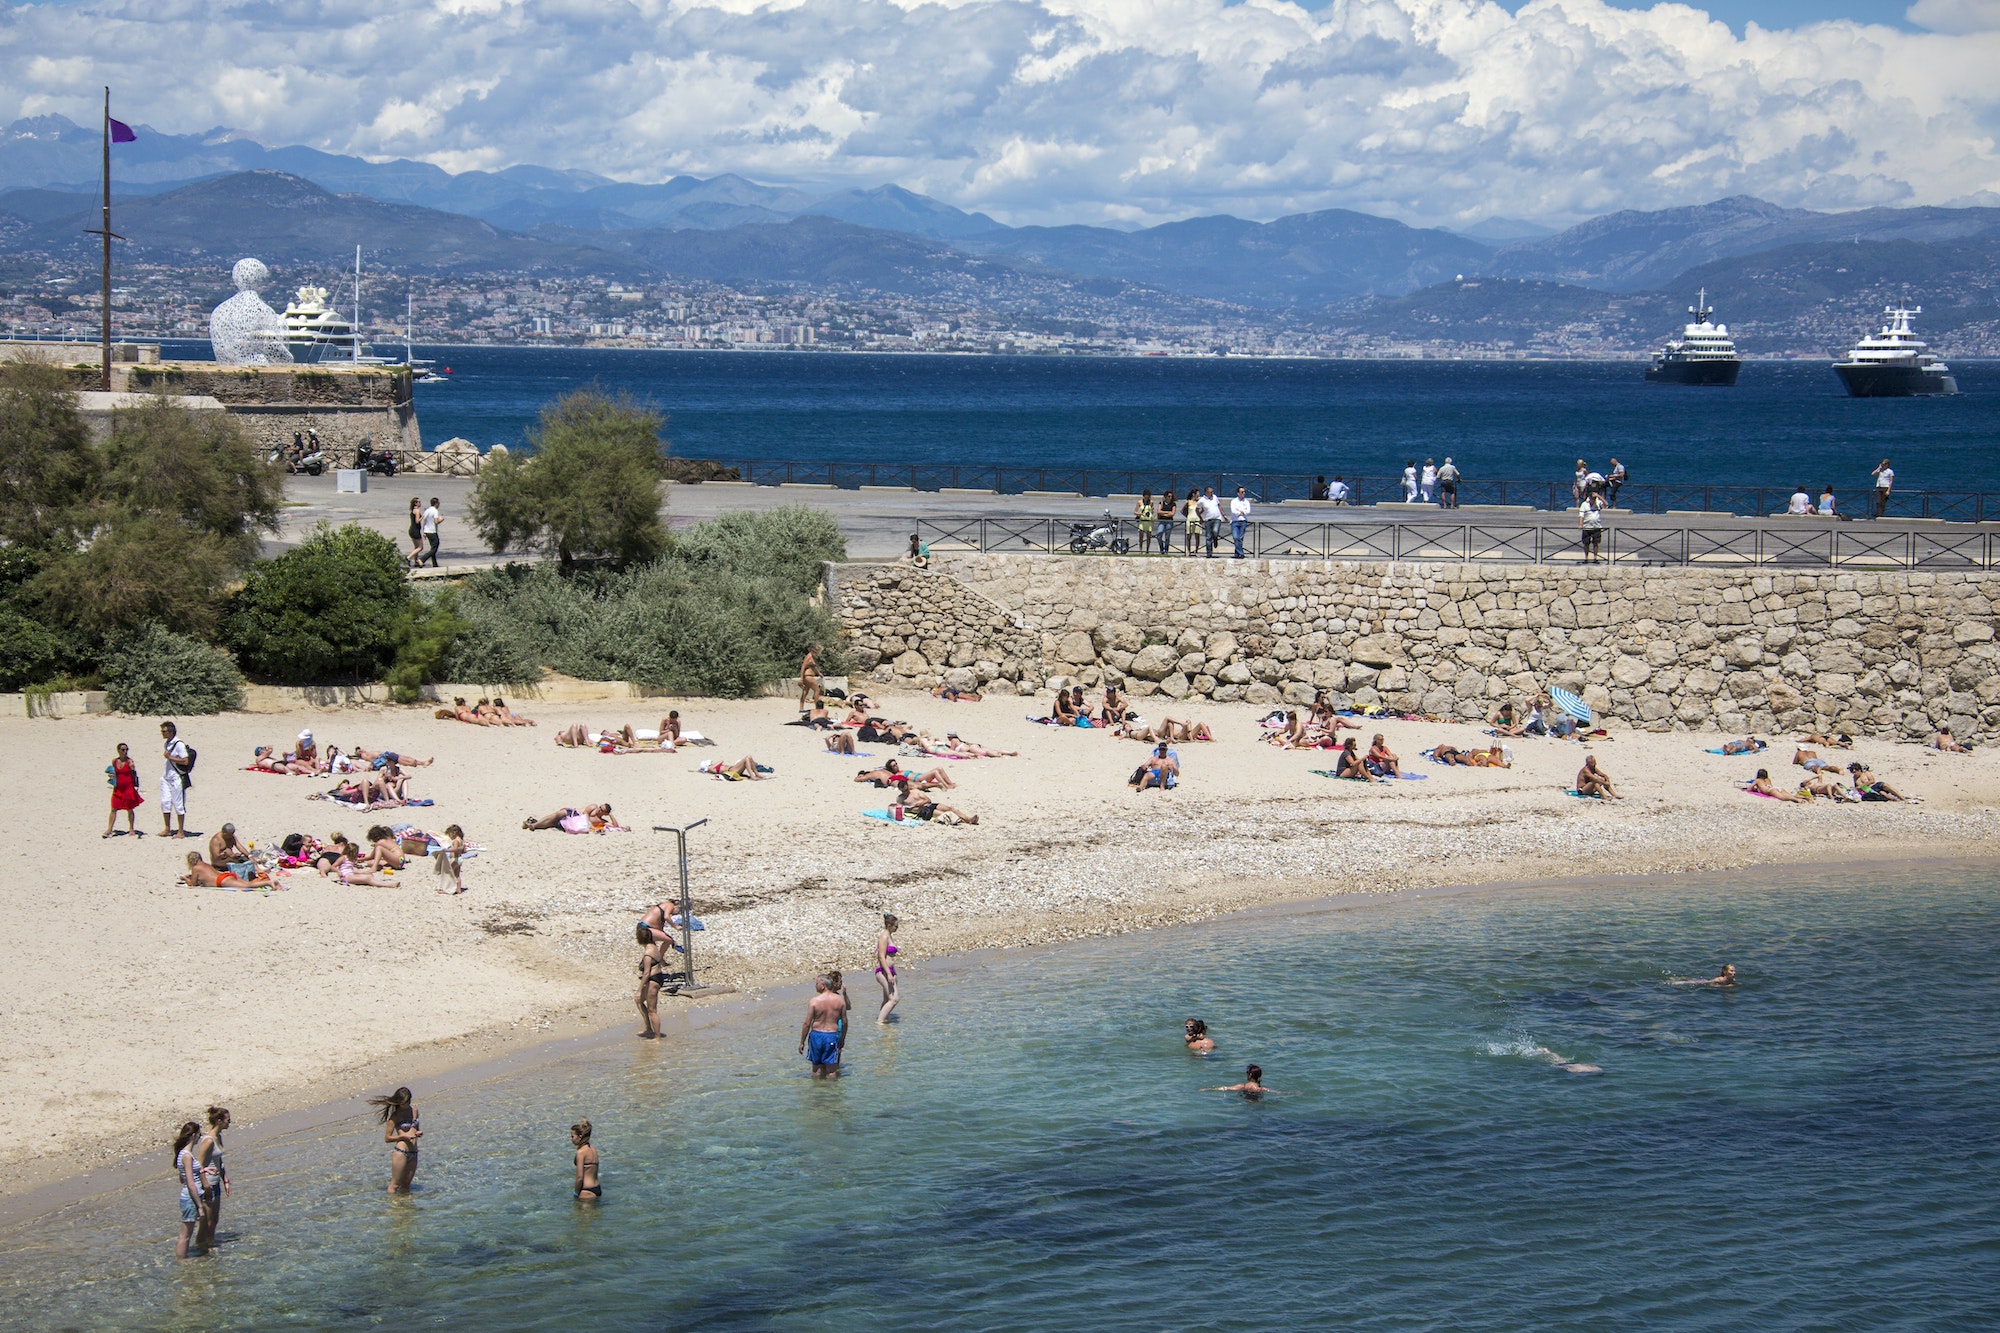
point(888, 818)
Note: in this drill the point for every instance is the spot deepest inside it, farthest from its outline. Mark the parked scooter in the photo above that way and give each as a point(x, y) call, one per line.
point(366, 459)
point(1104, 535)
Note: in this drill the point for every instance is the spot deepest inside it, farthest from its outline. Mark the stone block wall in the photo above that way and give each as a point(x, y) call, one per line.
point(1890, 654)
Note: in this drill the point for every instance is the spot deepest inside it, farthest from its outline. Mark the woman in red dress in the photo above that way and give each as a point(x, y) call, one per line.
point(124, 792)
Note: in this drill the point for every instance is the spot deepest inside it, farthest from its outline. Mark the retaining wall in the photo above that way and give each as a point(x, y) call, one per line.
point(1890, 653)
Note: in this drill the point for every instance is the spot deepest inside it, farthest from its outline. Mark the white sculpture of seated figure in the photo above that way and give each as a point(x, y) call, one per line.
point(243, 330)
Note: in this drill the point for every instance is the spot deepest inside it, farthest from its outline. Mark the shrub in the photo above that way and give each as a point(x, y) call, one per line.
point(593, 488)
point(198, 469)
point(141, 569)
point(48, 469)
point(424, 642)
point(29, 651)
point(788, 544)
point(329, 608)
point(156, 671)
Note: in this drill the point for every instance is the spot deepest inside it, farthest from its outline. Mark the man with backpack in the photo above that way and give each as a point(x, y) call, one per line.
point(175, 780)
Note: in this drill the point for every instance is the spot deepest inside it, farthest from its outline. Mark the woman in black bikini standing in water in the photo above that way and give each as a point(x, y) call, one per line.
point(885, 966)
point(401, 1129)
point(587, 1184)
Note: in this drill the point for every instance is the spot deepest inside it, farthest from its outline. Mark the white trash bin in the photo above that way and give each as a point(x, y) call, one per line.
point(350, 479)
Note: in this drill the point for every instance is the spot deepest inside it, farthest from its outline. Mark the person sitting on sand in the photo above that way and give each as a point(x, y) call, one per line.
point(1291, 736)
point(917, 805)
point(957, 744)
point(857, 716)
point(952, 695)
point(1194, 1035)
point(384, 851)
point(670, 727)
point(1161, 769)
point(1506, 723)
point(1945, 741)
point(1748, 745)
point(202, 875)
point(352, 866)
point(1592, 781)
point(590, 819)
point(1841, 742)
point(1381, 760)
point(224, 848)
point(1352, 765)
point(839, 742)
point(1115, 708)
point(1761, 786)
point(746, 769)
point(1871, 787)
point(1062, 712)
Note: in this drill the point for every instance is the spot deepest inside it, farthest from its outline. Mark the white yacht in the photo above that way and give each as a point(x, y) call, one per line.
point(317, 331)
point(1703, 354)
point(1895, 363)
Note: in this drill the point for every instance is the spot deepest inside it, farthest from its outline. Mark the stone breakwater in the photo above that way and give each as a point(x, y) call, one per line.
point(1884, 654)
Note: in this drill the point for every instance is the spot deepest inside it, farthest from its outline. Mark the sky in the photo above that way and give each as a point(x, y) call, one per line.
point(1441, 112)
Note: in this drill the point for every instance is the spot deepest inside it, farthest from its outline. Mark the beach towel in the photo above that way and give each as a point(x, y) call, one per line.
point(252, 768)
point(1586, 796)
point(858, 754)
point(695, 738)
point(888, 818)
point(1736, 754)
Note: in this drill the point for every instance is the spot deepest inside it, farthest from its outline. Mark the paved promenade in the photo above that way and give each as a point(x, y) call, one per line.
point(878, 522)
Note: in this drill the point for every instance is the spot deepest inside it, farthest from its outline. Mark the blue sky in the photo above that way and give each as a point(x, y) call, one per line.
point(1114, 111)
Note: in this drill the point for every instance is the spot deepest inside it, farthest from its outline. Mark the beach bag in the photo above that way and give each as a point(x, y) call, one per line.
point(293, 844)
point(187, 769)
point(416, 846)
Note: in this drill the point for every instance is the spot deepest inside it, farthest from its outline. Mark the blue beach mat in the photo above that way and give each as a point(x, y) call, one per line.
point(887, 818)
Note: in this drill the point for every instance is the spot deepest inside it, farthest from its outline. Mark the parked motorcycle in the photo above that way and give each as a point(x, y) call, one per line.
point(1105, 535)
point(366, 459)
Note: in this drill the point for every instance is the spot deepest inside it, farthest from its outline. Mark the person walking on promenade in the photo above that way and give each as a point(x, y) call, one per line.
point(175, 779)
point(1165, 514)
point(1427, 484)
point(1211, 522)
point(416, 555)
point(430, 527)
point(1448, 485)
point(821, 1030)
point(123, 775)
point(1613, 480)
point(1590, 522)
point(1239, 519)
point(1191, 517)
point(1410, 482)
point(1147, 515)
point(1885, 479)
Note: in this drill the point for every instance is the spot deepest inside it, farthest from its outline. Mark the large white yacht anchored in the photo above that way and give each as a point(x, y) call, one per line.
point(317, 331)
point(1895, 363)
point(1703, 354)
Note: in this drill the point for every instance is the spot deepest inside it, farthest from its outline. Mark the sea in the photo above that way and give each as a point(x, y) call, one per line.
point(1785, 424)
point(1030, 1147)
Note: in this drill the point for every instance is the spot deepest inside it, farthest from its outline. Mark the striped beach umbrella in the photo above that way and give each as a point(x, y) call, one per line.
point(1570, 704)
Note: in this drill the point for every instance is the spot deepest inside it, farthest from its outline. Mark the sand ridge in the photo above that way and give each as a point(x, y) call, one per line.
point(133, 1002)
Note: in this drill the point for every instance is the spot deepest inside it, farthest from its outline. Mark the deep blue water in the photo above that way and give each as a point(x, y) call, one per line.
point(1787, 423)
point(1031, 1149)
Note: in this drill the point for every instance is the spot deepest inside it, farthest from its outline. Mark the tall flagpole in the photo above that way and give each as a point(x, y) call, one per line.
point(105, 231)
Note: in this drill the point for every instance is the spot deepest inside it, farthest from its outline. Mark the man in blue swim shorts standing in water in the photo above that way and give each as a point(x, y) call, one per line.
point(819, 1035)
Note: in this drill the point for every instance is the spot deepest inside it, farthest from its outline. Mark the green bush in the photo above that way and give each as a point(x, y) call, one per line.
point(424, 642)
point(158, 672)
point(330, 608)
point(29, 651)
point(727, 612)
point(48, 469)
point(592, 489)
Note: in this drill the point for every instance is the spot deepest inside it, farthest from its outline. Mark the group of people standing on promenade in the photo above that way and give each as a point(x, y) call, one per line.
point(1201, 519)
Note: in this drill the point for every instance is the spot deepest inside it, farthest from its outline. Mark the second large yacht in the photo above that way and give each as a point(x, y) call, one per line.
point(1703, 354)
point(1895, 363)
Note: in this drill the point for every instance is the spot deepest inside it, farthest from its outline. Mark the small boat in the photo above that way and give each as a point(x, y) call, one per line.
point(1703, 354)
point(1895, 363)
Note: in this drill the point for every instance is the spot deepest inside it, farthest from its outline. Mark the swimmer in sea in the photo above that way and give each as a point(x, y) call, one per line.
point(1564, 1063)
point(1197, 1037)
point(1252, 1087)
point(1726, 977)
point(588, 1186)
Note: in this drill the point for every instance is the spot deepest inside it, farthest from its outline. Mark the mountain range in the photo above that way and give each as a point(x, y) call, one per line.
point(222, 194)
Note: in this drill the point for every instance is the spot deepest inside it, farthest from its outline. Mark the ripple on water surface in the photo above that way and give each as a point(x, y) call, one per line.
point(1030, 1148)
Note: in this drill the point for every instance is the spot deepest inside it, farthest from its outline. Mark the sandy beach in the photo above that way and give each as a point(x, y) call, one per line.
point(131, 1002)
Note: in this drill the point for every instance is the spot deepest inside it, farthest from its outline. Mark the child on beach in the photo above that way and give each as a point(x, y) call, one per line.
point(448, 861)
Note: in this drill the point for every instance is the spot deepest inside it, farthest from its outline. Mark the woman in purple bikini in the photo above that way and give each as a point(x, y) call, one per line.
point(885, 966)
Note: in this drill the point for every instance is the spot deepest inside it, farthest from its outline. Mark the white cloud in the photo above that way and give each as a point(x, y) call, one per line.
point(1074, 110)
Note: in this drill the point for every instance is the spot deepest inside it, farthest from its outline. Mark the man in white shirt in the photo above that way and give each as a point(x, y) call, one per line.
point(1885, 477)
point(1801, 502)
point(1239, 518)
point(431, 521)
point(1410, 483)
point(1211, 521)
point(174, 781)
point(1337, 491)
point(1427, 485)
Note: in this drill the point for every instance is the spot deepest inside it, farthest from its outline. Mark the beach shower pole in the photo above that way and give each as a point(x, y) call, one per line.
point(686, 899)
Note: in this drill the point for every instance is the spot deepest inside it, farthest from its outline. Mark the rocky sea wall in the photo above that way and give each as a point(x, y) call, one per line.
point(1893, 653)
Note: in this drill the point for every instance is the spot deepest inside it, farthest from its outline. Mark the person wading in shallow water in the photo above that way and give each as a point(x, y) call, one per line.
point(819, 1035)
point(401, 1128)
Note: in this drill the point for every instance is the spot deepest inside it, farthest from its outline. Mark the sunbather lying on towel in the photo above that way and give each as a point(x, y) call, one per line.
point(1843, 741)
point(916, 805)
point(202, 875)
point(746, 769)
point(1490, 757)
point(590, 819)
point(1762, 785)
point(1748, 745)
point(269, 760)
point(957, 744)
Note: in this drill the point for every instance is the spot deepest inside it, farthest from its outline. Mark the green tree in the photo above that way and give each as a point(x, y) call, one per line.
point(48, 469)
point(593, 488)
point(198, 468)
point(328, 609)
point(156, 671)
point(139, 569)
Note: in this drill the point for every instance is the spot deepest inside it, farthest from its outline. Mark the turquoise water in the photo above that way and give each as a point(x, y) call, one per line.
point(1030, 1148)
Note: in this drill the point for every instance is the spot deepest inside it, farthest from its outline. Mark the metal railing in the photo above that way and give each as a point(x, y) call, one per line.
point(1269, 487)
point(1629, 544)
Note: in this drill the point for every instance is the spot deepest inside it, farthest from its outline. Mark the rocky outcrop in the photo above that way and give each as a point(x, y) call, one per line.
point(1889, 653)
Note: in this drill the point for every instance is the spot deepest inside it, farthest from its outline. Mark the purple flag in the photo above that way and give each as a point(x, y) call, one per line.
point(121, 132)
